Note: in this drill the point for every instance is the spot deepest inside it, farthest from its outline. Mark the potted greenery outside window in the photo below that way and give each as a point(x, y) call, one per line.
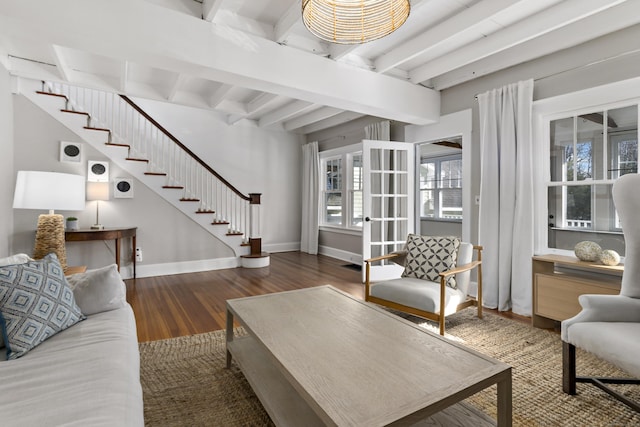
point(72, 223)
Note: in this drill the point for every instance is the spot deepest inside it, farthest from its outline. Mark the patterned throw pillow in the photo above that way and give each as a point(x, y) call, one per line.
point(35, 304)
point(428, 256)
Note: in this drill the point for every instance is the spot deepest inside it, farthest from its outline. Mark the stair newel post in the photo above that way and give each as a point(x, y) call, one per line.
point(254, 230)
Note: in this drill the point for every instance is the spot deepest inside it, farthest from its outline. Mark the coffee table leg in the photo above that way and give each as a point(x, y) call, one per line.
point(229, 336)
point(504, 402)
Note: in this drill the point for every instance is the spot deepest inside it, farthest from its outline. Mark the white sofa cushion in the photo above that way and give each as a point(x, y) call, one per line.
point(87, 375)
point(15, 259)
point(418, 293)
point(98, 290)
point(35, 304)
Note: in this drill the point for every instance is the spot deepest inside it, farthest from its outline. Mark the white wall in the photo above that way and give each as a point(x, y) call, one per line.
point(164, 233)
point(7, 177)
point(252, 159)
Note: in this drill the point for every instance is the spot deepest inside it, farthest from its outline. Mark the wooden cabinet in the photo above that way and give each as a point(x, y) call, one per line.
point(559, 280)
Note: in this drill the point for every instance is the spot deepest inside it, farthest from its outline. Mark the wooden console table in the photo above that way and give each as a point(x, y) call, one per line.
point(114, 233)
point(559, 280)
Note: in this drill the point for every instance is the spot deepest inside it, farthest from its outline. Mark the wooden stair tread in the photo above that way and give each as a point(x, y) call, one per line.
point(113, 144)
point(185, 199)
point(205, 212)
point(220, 223)
point(156, 173)
point(64, 110)
point(133, 159)
point(245, 244)
point(100, 129)
point(173, 187)
point(235, 233)
point(52, 94)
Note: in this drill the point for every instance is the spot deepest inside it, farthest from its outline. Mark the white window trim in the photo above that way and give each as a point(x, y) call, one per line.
point(606, 97)
point(345, 153)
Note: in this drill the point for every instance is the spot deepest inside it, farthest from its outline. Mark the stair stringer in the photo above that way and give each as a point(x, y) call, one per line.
point(97, 139)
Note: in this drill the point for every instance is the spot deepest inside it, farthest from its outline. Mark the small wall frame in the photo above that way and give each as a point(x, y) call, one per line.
point(123, 188)
point(98, 171)
point(70, 152)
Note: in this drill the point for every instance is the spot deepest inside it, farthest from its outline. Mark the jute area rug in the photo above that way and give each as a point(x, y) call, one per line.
point(185, 382)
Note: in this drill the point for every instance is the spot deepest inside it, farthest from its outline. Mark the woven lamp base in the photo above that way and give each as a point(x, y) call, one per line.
point(50, 238)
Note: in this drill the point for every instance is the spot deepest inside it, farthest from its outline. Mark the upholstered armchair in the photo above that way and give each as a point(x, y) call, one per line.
point(435, 281)
point(609, 325)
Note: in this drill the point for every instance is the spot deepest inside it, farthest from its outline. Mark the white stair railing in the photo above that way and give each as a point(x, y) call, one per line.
point(130, 126)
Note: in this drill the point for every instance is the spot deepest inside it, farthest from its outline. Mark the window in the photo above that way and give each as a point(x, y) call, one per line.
point(342, 190)
point(588, 152)
point(441, 187)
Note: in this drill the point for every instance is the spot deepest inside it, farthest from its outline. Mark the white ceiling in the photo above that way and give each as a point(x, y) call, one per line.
point(255, 60)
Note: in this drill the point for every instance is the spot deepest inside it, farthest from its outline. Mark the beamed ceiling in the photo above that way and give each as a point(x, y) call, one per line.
point(254, 59)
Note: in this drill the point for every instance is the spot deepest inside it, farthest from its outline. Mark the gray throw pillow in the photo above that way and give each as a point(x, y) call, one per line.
point(36, 303)
point(98, 290)
point(428, 256)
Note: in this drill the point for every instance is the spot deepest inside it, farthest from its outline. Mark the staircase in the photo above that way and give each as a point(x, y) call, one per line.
point(129, 137)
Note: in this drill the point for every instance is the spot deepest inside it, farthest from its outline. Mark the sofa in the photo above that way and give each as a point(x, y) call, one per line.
point(87, 373)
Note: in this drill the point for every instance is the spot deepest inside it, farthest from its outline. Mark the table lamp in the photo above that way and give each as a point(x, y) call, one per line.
point(97, 191)
point(49, 191)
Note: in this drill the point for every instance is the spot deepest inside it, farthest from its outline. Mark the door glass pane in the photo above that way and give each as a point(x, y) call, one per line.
point(376, 183)
point(402, 230)
point(402, 183)
point(402, 207)
point(402, 163)
point(389, 207)
point(562, 149)
point(376, 207)
point(375, 159)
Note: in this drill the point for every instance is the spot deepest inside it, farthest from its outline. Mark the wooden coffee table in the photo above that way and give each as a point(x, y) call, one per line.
point(318, 356)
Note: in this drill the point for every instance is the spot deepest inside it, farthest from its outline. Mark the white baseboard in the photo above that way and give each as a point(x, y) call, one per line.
point(151, 270)
point(340, 254)
point(281, 247)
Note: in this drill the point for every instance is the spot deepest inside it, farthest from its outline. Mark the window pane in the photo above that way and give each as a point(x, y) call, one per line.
point(356, 208)
point(451, 173)
point(562, 149)
point(427, 204)
point(333, 208)
point(596, 222)
point(623, 141)
point(427, 175)
point(356, 168)
point(333, 170)
point(451, 203)
point(589, 142)
point(578, 206)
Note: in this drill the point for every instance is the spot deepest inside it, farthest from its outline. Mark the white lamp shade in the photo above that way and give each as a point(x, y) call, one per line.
point(49, 191)
point(97, 191)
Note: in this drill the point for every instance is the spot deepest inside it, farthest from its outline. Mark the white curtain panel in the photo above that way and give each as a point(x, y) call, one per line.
point(380, 131)
point(310, 187)
point(506, 196)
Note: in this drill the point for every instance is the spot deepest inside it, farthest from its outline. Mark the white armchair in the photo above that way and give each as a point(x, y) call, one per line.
point(609, 325)
point(436, 279)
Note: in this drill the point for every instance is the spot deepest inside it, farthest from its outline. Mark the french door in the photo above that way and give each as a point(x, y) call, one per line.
point(388, 207)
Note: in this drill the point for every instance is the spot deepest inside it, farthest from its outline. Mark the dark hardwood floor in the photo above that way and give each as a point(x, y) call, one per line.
point(187, 304)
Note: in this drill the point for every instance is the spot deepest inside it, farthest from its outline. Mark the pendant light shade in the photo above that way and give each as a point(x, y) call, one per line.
point(354, 21)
